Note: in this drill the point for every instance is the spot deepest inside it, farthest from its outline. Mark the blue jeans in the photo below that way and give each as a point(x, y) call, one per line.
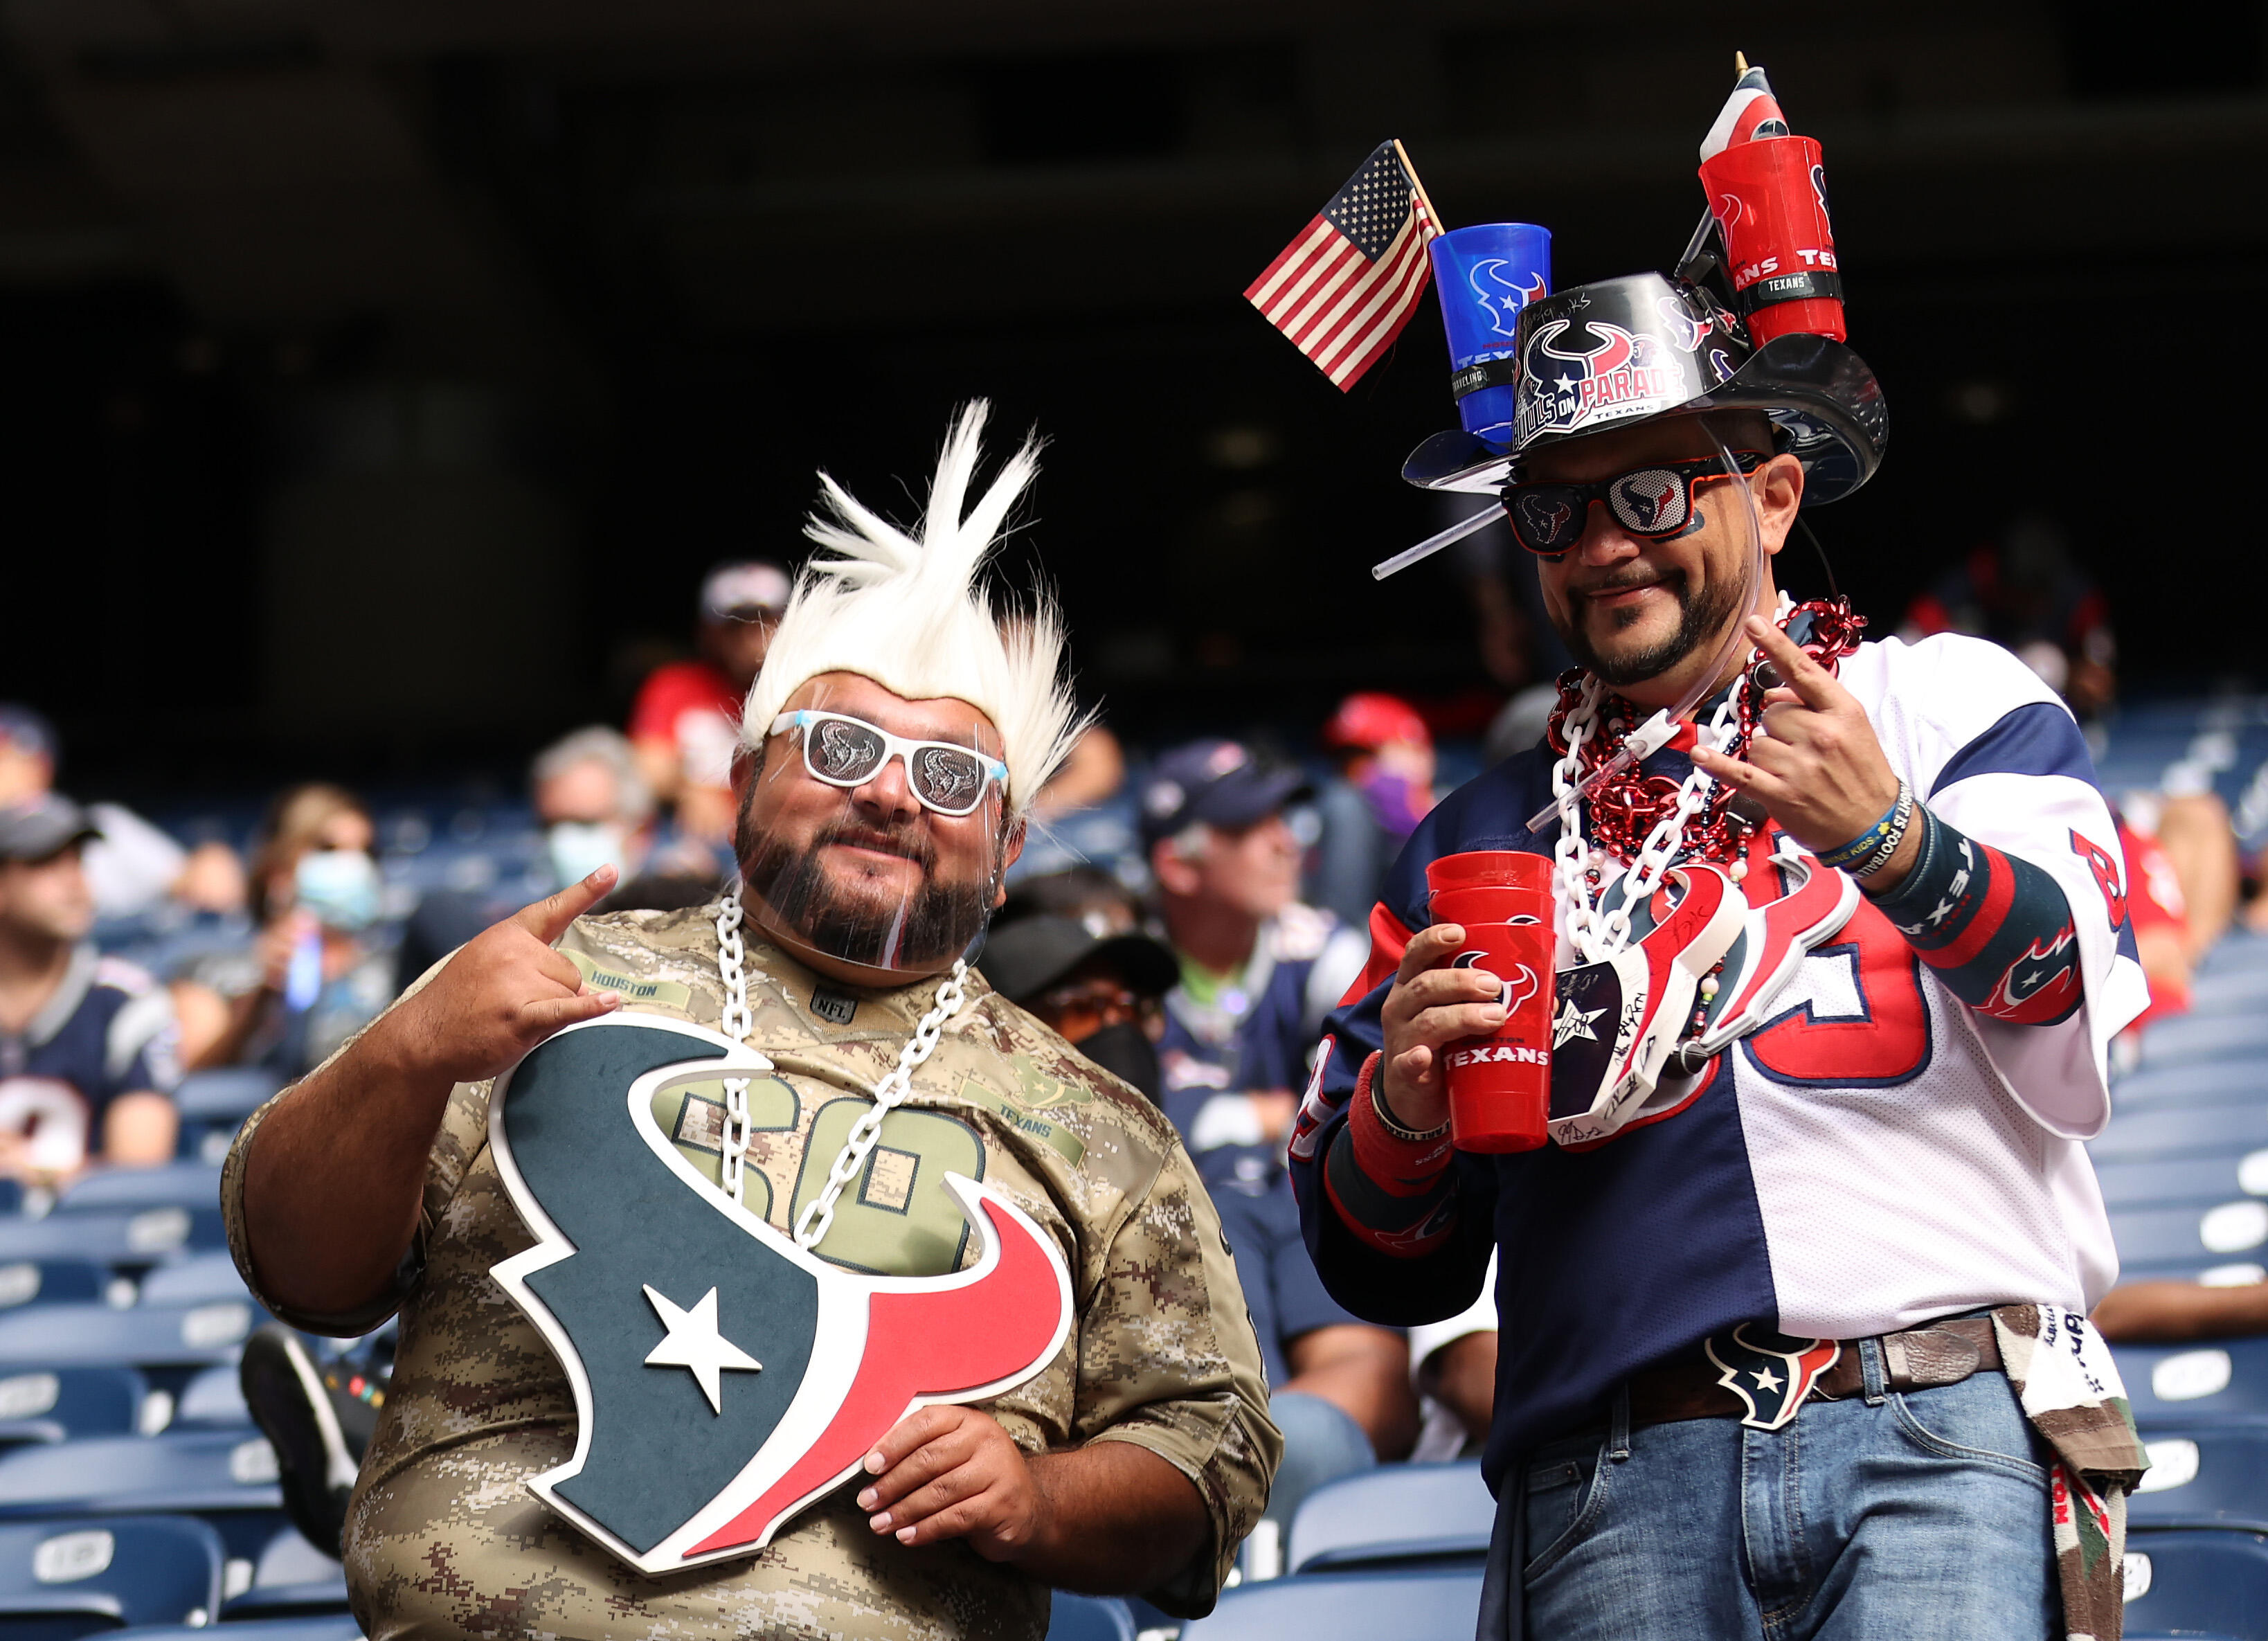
point(1882, 1517)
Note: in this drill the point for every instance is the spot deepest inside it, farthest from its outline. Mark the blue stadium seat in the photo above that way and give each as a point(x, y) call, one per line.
point(228, 1477)
point(2235, 952)
point(213, 1106)
point(56, 1404)
point(51, 1282)
point(1439, 1605)
point(214, 1399)
point(2187, 1039)
point(1088, 1618)
point(2200, 1082)
point(295, 1579)
point(1398, 1515)
point(2204, 1476)
point(338, 1628)
point(2179, 1182)
point(2205, 1131)
point(64, 1580)
point(178, 1184)
point(200, 1279)
point(145, 1237)
point(2176, 1385)
point(148, 1337)
point(2190, 1236)
point(2213, 1585)
point(2229, 990)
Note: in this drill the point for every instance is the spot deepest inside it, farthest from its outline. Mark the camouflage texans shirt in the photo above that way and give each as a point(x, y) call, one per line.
point(444, 1539)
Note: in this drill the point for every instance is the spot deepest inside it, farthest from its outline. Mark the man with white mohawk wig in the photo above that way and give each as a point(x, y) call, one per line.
point(892, 744)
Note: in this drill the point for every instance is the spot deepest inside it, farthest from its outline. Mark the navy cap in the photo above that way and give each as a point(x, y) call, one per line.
point(1219, 783)
point(44, 827)
point(1025, 958)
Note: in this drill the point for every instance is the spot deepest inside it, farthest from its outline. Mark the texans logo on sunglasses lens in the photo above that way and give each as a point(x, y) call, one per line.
point(1650, 500)
point(844, 748)
point(1542, 518)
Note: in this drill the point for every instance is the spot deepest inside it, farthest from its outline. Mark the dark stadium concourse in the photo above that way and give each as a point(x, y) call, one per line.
point(381, 379)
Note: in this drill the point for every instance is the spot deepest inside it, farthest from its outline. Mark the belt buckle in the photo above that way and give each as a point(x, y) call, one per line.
point(1771, 1373)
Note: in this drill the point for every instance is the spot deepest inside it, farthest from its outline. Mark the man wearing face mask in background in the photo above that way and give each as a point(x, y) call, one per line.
point(892, 743)
point(595, 809)
point(1104, 996)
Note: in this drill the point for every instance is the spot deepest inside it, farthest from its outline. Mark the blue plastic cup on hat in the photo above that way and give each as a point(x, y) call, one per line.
point(1485, 275)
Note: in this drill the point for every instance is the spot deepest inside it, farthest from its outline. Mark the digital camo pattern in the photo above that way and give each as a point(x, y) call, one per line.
point(444, 1538)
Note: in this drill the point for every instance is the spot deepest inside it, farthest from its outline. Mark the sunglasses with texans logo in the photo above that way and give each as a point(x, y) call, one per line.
point(849, 752)
point(1652, 501)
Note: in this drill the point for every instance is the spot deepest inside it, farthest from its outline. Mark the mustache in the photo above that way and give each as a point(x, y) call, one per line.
point(1623, 580)
point(907, 841)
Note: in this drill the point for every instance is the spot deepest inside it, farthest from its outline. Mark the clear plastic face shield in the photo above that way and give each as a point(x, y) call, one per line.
point(875, 833)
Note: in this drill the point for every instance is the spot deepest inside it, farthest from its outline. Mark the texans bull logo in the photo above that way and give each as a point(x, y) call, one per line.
point(724, 1377)
point(1515, 988)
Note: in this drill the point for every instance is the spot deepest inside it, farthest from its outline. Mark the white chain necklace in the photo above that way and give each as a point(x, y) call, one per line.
point(736, 1022)
point(1595, 935)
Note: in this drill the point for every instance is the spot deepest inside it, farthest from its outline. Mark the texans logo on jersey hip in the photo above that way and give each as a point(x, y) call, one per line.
point(724, 1377)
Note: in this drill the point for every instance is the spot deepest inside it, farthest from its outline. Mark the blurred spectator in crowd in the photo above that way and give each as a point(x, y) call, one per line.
point(317, 975)
point(595, 809)
point(1382, 789)
point(130, 865)
point(687, 718)
point(1092, 775)
point(1103, 993)
point(1340, 1386)
point(2159, 913)
point(1453, 1364)
point(2173, 1312)
point(1520, 723)
point(1091, 897)
point(2025, 593)
point(1258, 969)
point(87, 1058)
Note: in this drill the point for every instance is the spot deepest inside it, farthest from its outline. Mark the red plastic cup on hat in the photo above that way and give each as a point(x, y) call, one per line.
point(1500, 1085)
point(1770, 198)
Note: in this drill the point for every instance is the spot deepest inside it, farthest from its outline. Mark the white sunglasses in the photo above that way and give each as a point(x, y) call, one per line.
point(849, 752)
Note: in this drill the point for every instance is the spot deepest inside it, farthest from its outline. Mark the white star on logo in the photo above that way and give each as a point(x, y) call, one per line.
point(1565, 383)
point(694, 1343)
point(1574, 1022)
point(1766, 1379)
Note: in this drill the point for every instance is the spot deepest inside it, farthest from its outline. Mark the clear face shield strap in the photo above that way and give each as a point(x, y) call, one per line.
point(1651, 736)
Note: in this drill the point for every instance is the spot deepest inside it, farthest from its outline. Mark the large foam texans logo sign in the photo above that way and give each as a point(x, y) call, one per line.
point(724, 1377)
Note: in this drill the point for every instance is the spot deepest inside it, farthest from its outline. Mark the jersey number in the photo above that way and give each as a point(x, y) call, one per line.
point(1881, 1040)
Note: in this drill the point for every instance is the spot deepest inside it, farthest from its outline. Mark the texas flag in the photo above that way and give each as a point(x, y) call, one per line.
point(1749, 113)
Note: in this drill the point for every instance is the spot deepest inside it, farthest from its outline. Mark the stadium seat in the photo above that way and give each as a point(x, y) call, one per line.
point(2213, 1585)
point(2204, 1132)
point(200, 1279)
point(174, 1185)
point(2183, 1182)
point(64, 1580)
point(2230, 992)
point(2235, 952)
point(1438, 1605)
point(2190, 1237)
point(341, 1627)
point(214, 1399)
point(147, 1336)
point(2187, 1039)
point(56, 1404)
point(2200, 1082)
point(2202, 1383)
point(1396, 1515)
point(51, 1282)
point(1088, 1618)
point(146, 1237)
point(228, 1477)
point(213, 1106)
point(2205, 1475)
point(294, 1579)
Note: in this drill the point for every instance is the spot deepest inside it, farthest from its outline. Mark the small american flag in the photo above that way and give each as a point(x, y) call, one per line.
point(1344, 288)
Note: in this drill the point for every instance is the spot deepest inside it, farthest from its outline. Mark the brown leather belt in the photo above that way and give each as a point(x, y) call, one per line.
point(1936, 1353)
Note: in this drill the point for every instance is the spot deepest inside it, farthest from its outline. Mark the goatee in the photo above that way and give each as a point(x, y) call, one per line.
point(924, 929)
point(1698, 620)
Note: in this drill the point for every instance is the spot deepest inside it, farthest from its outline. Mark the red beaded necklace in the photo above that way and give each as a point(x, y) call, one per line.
point(1628, 803)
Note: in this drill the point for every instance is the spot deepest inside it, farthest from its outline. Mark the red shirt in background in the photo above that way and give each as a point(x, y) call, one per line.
point(2153, 900)
point(694, 707)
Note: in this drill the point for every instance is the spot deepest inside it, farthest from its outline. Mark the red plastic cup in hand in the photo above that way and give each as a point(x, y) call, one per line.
point(1500, 1085)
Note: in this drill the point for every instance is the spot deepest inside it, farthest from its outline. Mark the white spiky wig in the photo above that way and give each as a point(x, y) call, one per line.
point(910, 612)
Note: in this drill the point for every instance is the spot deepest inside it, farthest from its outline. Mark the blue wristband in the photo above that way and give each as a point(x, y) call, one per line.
point(1866, 852)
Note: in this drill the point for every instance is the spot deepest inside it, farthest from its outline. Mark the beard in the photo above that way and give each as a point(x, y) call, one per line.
point(1698, 620)
point(926, 930)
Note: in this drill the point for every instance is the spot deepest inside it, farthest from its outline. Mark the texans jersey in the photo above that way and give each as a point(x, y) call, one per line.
point(1873, 1155)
